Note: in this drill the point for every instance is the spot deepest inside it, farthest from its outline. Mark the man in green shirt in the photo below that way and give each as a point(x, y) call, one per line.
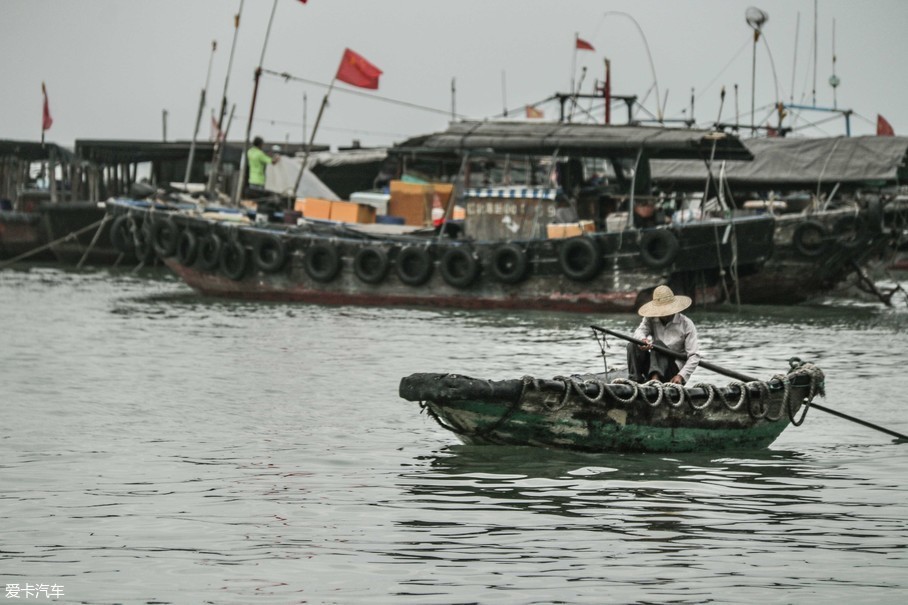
point(257, 160)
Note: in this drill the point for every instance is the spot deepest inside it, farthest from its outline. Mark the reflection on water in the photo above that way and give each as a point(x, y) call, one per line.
point(589, 485)
point(165, 447)
point(684, 527)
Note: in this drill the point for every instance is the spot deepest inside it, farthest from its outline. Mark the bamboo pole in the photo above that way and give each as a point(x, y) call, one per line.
point(94, 240)
point(255, 90)
point(218, 144)
point(198, 119)
point(308, 151)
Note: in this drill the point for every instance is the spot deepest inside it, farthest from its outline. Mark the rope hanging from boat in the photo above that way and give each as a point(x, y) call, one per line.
point(756, 396)
point(758, 406)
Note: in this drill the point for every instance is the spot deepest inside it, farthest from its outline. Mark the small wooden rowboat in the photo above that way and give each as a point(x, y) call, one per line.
point(593, 413)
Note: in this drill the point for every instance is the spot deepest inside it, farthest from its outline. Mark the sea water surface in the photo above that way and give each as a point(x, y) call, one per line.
point(160, 447)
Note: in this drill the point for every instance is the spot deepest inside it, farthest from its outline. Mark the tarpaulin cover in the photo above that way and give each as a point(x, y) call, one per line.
point(591, 140)
point(791, 163)
point(280, 177)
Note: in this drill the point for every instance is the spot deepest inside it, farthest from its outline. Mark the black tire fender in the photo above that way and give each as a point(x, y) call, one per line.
point(458, 266)
point(658, 248)
point(810, 238)
point(322, 262)
point(851, 231)
point(187, 248)
point(234, 259)
point(269, 253)
point(209, 255)
point(143, 243)
point(874, 215)
point(508, 264)
point(371, 264)
point(121, 234)
point(413, 265)
point(164, 236)
point(579, 258)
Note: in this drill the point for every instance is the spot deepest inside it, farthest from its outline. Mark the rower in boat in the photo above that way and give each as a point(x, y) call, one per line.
point(664, 324)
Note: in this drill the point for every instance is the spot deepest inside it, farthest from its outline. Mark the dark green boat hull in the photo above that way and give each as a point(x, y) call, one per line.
point(470, 419)
point(592, 414)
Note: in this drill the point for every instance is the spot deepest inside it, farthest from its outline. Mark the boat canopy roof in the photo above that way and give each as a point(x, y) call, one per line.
point(34, 151)
point(108, 151)
point(797, 163)
point(591, 140)
point(121, 151)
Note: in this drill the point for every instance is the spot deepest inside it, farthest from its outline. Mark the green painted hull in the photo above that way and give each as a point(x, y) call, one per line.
point(472, 419)
point(591, 414)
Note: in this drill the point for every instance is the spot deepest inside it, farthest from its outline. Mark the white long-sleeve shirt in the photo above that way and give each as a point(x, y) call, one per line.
point(680, 334)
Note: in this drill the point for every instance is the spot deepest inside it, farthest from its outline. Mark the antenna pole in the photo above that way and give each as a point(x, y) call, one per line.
point(814, 90)
point(504, 94)
point(834, 80)
point(753, 85)
point(794, 61)
point(608, 91)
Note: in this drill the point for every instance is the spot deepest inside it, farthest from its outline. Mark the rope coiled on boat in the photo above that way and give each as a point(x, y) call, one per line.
point(754, 396)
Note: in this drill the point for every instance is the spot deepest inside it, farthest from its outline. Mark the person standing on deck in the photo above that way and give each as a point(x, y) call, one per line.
point(663, 324)
point(257, 159)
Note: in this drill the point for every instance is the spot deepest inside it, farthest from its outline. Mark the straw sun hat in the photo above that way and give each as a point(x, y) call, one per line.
point(664, 302)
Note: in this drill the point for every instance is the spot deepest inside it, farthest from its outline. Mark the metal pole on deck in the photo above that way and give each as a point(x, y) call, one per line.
point(453, 99)
point(607, 91)
point(218, 144)
point(198, 119)
point(318, 119)
point(255, 91)
point(756, 19)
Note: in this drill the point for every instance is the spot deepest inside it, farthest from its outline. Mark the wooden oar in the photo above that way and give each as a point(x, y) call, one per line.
point(746, 378)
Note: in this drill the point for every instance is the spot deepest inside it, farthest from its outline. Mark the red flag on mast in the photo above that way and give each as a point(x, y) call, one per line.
point(883, 127)
point(46, 120)
point(584, 45)
point(355, 70)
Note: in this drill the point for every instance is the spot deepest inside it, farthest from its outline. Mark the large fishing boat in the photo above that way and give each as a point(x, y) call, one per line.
point(511, 250)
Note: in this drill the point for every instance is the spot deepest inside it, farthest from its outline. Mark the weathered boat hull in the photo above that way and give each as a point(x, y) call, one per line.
point(590, 414)
point(21, 233)
point(813, 254)
point(69, 227)
point(335, 264)
point(434, 293)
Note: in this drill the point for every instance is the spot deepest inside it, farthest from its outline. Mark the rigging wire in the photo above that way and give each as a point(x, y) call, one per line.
point(297, 124)
point(734, 57)
point(649, 55)
point(517, 109)
point(288, 77)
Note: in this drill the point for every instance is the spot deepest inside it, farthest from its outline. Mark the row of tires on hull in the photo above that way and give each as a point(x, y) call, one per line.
point(579, 258)
point(812, 238)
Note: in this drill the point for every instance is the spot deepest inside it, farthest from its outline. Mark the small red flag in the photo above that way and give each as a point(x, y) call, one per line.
point(534, 113)
point(303, 1)
point(883, 127)
point(357, 71)
point(46, 120)
point(584, 45)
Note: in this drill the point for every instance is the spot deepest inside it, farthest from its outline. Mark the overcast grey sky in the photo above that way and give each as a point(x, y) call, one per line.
point(113, 66)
